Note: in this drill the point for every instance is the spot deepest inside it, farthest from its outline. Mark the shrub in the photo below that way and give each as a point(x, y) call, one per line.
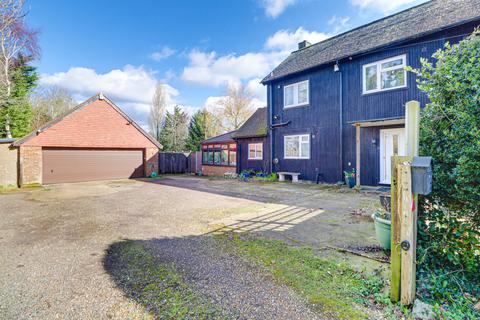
point(449, 218)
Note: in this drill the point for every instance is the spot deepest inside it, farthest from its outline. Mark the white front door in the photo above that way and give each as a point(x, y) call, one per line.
point(392, 143)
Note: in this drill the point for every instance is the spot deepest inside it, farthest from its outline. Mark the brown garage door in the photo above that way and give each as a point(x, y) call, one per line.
point(71, 165)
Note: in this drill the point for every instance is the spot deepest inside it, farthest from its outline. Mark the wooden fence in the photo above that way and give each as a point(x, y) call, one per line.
point(173, 162)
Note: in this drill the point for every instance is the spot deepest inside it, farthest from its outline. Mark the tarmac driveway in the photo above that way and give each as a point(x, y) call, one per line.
point(53, 240)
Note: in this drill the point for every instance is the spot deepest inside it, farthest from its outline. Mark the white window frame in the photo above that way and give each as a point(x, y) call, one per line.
point(258, 148)
point(379, 73)
point(299, 146)
point(295, 94)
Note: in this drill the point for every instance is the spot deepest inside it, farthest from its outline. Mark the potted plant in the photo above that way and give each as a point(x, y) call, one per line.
point(350, 178)
point(383, 223)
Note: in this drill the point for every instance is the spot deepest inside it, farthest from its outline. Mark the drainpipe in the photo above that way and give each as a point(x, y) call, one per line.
point(337, 68)
point(270, 120)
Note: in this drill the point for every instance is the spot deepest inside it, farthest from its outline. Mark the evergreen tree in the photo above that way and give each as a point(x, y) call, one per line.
point(16, 110)
point(201, 127)
point(174, 131)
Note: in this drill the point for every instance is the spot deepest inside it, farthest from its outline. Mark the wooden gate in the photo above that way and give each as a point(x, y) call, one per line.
point(172, 162)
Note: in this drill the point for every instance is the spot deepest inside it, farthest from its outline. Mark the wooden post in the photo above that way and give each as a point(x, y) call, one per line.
point(412, 127)
point(395, 253)
point(404, 212)
point(358, 145)
point(408, 220)
point(408, 210)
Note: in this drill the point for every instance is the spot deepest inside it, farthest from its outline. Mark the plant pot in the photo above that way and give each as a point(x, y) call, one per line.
point(350, 181)
point(382, 230)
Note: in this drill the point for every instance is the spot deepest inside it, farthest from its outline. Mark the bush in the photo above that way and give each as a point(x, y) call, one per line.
point(449, 219)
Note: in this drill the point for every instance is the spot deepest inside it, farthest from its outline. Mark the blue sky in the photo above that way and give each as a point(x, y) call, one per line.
point(196, 48)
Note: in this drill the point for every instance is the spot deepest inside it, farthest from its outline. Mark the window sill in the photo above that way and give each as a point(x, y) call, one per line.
point(384, 91)
point(296, 158)
point(296, 106)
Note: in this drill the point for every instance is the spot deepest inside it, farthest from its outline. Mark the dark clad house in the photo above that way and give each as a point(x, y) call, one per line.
point(340, 104)
point(252, 143)
point(219, 155)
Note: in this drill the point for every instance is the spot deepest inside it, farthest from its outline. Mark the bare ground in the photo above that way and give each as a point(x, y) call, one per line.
point(53, 240)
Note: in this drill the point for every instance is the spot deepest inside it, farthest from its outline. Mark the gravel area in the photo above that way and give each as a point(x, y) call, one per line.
point(53, 241)
point(238, 286)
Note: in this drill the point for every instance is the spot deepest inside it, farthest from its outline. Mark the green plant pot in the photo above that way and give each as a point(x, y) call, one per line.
point(382, 230)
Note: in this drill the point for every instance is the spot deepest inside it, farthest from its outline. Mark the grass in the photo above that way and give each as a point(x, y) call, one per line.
point(158, 287)
point(335, 289)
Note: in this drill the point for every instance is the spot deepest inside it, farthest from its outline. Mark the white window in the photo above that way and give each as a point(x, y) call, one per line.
point(255, 151)
point(296, 94)
point(385, 75)
point(296, 146)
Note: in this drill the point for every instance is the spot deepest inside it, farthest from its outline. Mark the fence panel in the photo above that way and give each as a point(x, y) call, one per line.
point(172, 162)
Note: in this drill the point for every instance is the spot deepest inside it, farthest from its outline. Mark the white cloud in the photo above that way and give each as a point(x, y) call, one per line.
point(207, 68)
point(287, 40)
point(338, 24)
point(164, 53)
point(132, 88)
point(383, 6)
point(274, 8)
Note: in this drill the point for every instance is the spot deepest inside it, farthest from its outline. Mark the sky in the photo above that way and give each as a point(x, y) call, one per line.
point(195, 48)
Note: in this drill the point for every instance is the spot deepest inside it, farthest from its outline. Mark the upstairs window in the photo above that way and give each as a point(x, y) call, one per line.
point(296, 94)
point(385, 75)
point(296, 146)
point(255, 151)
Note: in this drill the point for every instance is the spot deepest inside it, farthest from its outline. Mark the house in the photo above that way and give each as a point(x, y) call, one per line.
point(219, 155)
point(252, 143)
point(340, 104)
point(93, 141)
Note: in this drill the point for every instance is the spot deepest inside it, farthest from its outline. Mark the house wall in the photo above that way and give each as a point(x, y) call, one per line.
point(242, 155)
point(8, 165)
point(322, 120)
point(217, 170)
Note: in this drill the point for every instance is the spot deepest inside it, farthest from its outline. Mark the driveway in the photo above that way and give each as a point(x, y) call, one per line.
point(53, 240)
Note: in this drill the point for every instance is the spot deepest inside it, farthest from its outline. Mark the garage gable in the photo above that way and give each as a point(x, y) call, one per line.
point(96, 123)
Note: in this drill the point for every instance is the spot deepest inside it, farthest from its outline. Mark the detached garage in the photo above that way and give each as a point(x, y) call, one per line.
point(94, 141)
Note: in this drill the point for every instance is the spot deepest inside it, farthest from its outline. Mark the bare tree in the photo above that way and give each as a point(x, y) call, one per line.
point(49, 103)
point(236, 108)
point(157, 111)
point(17, 42)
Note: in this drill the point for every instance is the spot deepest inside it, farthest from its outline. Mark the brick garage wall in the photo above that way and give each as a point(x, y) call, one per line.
point(97, 125)
point(8, 165)
point(151, 161)
point(30, 165)
point(217, 170)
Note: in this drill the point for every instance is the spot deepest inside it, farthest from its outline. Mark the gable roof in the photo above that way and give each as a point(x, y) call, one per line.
point(221, 137)
point(255, 126)
point(99, 96)
point(406, 25)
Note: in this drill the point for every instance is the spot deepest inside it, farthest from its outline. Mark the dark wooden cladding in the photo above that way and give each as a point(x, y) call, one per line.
point(248, 164)
point(172, 162)
point(332, 136)
point(73, 165)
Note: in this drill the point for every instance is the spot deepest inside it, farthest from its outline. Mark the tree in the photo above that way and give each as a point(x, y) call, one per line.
point(18, 45)
point(235, 108)
point(157, 111)
point(174, 132)
point(202, 126)
point(48, 103)
point(16, 112)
